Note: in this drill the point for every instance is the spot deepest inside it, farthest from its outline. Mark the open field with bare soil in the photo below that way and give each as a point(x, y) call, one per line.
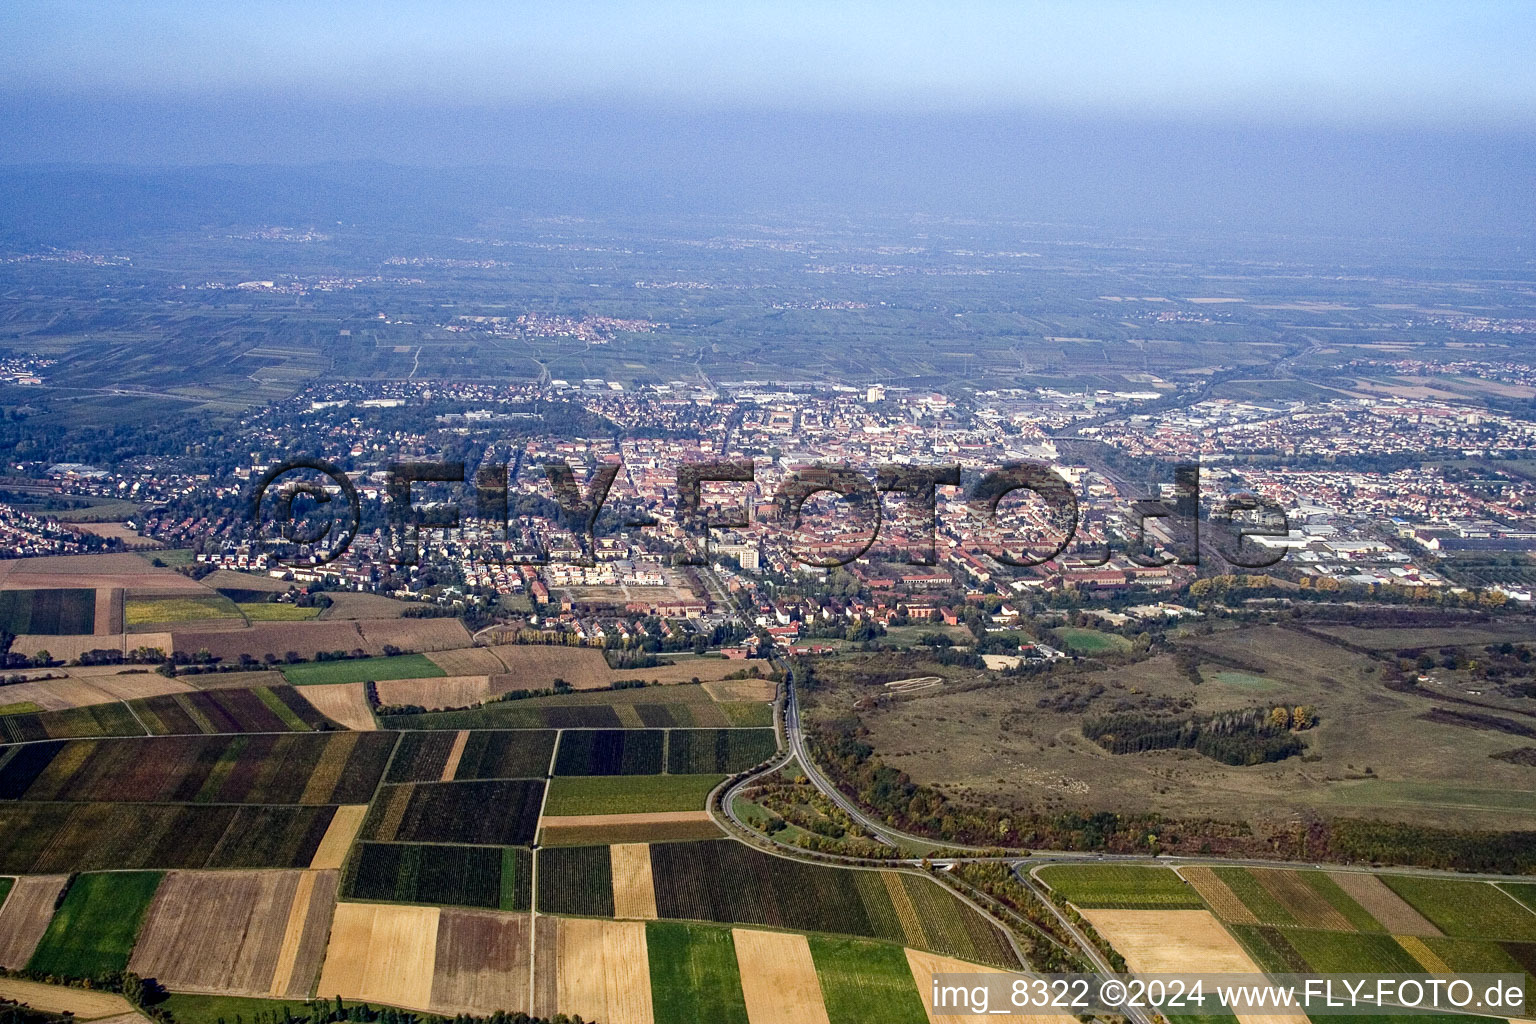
point(216, 931)
point(1386, 906)
point(481, 961)
point(25, 915)
point(634, 894)
point(304, 936)
point(925, 965)
point(468, 661)
point(436, 692)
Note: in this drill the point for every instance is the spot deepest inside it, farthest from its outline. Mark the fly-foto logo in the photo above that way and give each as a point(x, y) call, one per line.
point(320, 530)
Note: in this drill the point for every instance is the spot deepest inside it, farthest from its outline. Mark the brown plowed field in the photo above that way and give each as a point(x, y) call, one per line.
point(435, 692)
point(414, 634)
point(127, 571)
point(216, 931)
point(534, 667)
point(309, 926)
point(25, 917)
point(1304, 903)
point(482, 963)
point(1386, 906)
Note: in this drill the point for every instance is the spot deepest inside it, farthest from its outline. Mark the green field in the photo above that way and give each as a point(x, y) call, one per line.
point(1092, 641)
point(628, 794)
point(1341, 901)
point(1344, 952)
point(357, 670)
point(863, 981)
point(1467, 910)
point(94, 929)
point(1121, 887)
point(694, 977)
point(146, 611)
point(1525, 892)
point(21, 707)
point(195, 1009)
point(1254, 896)
point(5, 888)
point(276, 611)
point(1244, 680)
point(748, 714)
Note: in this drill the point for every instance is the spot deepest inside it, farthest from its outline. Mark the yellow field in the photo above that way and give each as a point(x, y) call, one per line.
point(293, 934)
point(383, 954)
point(1426, 957)
point(925, 965)
point(331, 854)
point(634, 891)
point(638, 818)
point(346, 704)
point(1217, 893)
point(455, 755)
point(84, 1003)
point(604, 971)
point(778, 978)
point(1177, 942)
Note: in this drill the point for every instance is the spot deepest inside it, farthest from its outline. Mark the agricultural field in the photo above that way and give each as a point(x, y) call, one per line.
point(148, 613)
point(113, 719)
point(701, 751)
point(293, 768)
point(1471, 910)
point(576, 880)
point(727, 882)
point(465, 876)
point(694, 976)
point(683, 706)
point(81, 1003)
point(94, 929)
point(1121, 887)
point(603, 971)
point(50, 612)
point(382, 953)
point(346, 704)
point(260, 709)
point(628, 794)
point(480, 963)
point(456, 812)
point(507, 755)
point(24, 916)
point(235, 932)
point(602, 829)
point(357, 670)
point(275, 611)
point(435, 692)
point(778, 978)
point(609, 752)
point(50, 838)
point(861, 981)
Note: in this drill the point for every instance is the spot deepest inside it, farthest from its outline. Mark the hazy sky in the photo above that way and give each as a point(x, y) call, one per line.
point(1397, 62)
point(1334, 116)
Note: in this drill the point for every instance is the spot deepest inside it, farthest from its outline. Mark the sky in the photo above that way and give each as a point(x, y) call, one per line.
point(1296, 103)
point(1401, 62)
